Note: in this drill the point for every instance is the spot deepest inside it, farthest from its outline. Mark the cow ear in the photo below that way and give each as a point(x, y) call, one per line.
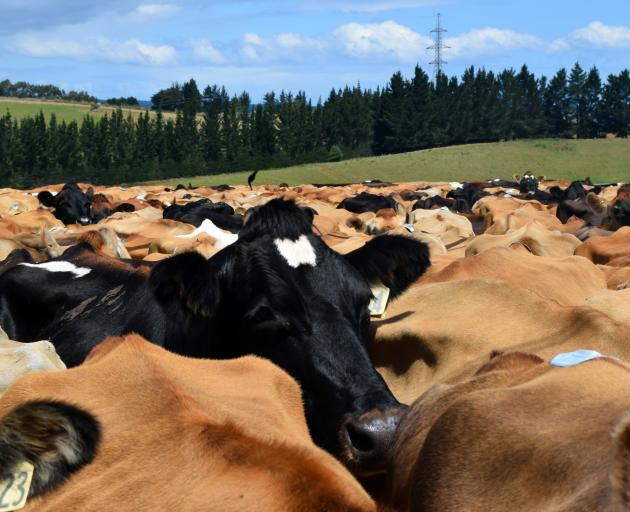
point(46, 198)
point(187, 281)
point(620, 474)
point(55, 437)
point(394, 260)
point(89, 193)
point(517, 178)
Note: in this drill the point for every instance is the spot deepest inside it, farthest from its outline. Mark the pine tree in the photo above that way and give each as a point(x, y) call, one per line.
point(577, 101)
point(557, 106)
point(616, 104)
point(591, 125)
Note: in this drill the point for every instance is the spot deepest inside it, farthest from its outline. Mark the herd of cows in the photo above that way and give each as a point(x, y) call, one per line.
point(362, 347)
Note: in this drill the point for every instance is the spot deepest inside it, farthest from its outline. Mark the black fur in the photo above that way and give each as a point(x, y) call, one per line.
point(221, 214)
point(366, 202)
point(33, 432)
point(395, 260)
point(278, 219)
point(71, 204)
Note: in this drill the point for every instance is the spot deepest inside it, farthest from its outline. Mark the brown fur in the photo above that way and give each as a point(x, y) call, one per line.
point(524, 436)
point(604, 250)
point(190, 435)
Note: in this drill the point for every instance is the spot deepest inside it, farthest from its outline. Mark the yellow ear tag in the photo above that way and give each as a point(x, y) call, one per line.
point(14, 490)
point(380, 296)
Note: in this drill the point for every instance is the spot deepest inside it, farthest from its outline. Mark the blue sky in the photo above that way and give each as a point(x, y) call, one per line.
point(115, 47)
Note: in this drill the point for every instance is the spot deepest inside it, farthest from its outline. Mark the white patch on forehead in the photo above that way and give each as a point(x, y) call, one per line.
point(298, 252)
point(456, 184)
point(60, 266)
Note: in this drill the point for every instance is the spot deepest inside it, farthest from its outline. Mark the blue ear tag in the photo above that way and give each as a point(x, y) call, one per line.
point(574, 358)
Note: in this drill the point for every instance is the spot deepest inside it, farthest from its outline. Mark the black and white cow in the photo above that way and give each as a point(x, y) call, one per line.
point(221, 214)
point(279, 292)
point(366, 202)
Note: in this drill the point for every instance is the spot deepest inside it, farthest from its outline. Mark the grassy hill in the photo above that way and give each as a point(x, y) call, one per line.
point(603, 160)
point(67, 111)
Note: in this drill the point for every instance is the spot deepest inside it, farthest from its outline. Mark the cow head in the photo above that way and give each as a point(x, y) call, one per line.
point(527, 183)
point(71, 204)
point(281, 293)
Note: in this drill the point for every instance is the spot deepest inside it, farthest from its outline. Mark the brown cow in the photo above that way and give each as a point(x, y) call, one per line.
point(441, 332)
point(519, 435)
point(176, 433)
point(613, 250)
point(568, 281)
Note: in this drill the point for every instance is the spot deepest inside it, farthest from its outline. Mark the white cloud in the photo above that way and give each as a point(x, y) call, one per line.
point(99, 47)
point(145, 13)
point(156, 10)
point(489, 41)
point(386, 39)
point(205, 50)
point(287, 45)
point(595, 35)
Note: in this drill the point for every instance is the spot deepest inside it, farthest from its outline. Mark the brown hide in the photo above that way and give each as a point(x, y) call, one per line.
point(613, 250)
point(189, 435)
point(519, 435)
point(567, 281)
point(441, 332)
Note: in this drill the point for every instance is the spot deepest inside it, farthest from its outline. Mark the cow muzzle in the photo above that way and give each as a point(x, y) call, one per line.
point(367, 440)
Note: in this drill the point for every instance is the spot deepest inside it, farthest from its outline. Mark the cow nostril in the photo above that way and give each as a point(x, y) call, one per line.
point(360, 441)
point(367, 440)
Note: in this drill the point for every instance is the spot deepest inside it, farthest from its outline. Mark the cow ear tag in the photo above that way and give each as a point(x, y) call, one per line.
point(380, 296)
point(14, 489)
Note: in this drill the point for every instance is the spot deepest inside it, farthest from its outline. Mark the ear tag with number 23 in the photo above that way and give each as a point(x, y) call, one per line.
point(380, 296)
point(14, 489)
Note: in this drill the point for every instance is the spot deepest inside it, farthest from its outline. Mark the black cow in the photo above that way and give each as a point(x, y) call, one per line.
point(468, 192)
point(366, 202)
point(430, 203)
point(221, 214)
point(279, 292)
point(574, 191)
point(71, 204)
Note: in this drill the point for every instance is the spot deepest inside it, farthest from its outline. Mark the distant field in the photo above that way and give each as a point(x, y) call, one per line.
point(602, 160)
point(20, 108)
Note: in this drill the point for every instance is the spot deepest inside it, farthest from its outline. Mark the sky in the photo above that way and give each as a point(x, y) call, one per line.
point(117, 48)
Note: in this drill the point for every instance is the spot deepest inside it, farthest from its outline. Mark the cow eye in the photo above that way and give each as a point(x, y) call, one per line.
point(262, 314)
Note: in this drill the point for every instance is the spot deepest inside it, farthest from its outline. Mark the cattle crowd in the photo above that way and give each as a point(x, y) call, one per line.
point(361, 347)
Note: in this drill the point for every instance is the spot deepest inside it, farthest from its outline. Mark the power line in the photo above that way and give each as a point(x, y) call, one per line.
point(438, 46)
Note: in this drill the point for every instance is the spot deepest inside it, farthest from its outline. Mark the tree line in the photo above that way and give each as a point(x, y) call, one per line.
point(44, 91)
point(214, 131)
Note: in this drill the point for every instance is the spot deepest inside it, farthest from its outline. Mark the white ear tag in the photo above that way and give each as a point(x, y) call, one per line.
point(14, 490)
point(409, 228)
point(380, 296)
